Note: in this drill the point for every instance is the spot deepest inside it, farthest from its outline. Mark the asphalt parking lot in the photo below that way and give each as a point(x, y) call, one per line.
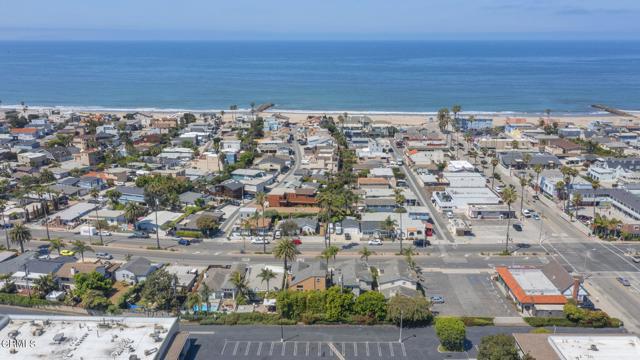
point(467, 295)
point(495, 231)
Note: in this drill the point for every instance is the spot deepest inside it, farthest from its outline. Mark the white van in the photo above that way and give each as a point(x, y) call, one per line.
point(88, 231)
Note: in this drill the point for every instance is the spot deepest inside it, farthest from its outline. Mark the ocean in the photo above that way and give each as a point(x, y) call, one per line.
point(376, 76)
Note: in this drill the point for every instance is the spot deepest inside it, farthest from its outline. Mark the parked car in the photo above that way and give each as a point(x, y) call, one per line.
point(636, 258)
point(421, 243)
point(139, 234)
point(623, 281)
point(66, 252)
point(259, 240)
point(449, 214)
point(104, 256)
point(347, 236)
point(184, 242)
point(517, 226)
point(330, 228)
point(499, 188)
point(104, 233)
point(437, 299)
point(277, 234)
point(338, 227)
point(535, 216)
point(375, 242)
point(296, 242)
point(526, 213)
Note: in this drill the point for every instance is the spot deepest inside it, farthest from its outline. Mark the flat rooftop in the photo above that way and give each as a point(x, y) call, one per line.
point(534, 282)
point(596, 347)
point(77, 337)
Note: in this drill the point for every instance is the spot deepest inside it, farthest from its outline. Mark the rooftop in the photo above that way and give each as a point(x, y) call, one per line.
point(57, 337)
point(596, 347)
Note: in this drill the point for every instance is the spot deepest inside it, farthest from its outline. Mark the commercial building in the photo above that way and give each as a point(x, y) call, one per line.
point(578, 346)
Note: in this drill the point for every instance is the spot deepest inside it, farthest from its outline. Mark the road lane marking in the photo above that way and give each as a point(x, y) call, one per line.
point(284, 346)
point(307, 352)
point(404, 351)
point(335, 351)
point(246, 351)
point(235, 348)
point(295, 348)
point(379, 351)
point(391, 349)
point(319, 348)
point(343, 352)
point(223, 347)
point(259, 349)
point(355, 349)
point(367, 348)
point(271, 349)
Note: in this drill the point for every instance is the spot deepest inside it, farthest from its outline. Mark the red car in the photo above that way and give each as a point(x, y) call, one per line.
point(297, 242)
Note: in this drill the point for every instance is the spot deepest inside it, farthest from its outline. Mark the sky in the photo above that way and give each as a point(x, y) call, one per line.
point(318, 20)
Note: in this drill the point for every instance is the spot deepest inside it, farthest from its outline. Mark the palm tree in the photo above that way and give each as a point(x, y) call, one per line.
point(132, 211)
point(44, 285)
point(81, 247)
point(194, 299)
point(523, 183)
point(114, 196)
point(456, 109)
point(20, 235)
point(560, 187)
point(205, 294)
point(260, 199)
point(494, 163)
point(509, 196)
point(595, 185)
point(537, 169)
point(577, 201)
point(443, 120)
point(95, 194)
point(400, 199)
point(3, 207)
point(365, 253)
point(267, 274)
point(613, 226)
point(389, 226)
point(286, 251)
point(239, 281)
point(40, 191)
point(330, 253)
point(57, 244)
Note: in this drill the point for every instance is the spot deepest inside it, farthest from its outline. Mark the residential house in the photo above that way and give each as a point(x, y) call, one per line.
point(286, 197)
point(354, 275)
point(135, 270)
point(563, 148)
point(474, 124)
point(68, 271)
point(186, 276)
point(89, 157)
point(27, 133)
point(395, 278)
point(229, 188)
point(218, 280)
point(306, 276)
point(33, 159)
point(131, 193)
point(515, 160)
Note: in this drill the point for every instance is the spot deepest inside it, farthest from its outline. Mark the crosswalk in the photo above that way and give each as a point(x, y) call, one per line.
point(313, 349)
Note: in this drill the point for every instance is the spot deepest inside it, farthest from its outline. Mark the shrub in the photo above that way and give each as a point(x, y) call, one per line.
point(245, 319)
point(540, 330)
point(451, 332)
point(18, 300)
point(549, 321)
point(477, 321)
point(339, 304)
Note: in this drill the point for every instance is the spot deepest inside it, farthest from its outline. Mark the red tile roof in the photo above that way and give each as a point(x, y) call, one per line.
point(24, 130)
point(522, 296)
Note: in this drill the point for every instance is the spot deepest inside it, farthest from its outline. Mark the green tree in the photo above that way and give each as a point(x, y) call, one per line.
point(288, 227)
point(260, 199)
point(193, 302)
point(3, 207)
point(338, 304)
point(389, 227)
point(241, 284)
point(132, 212)
point(81, 247)
point(95, 194)
point(537, 169)
point(400, 199)
point(498, 347)
point(207, 224)
point(158, 292)
point(371, 304)
point(114, 196)
point(577, 202)
point(20, 235)
point(205, 294)
point(451, 332)
point(44, 285)
point(414, 311)
point(286, 251)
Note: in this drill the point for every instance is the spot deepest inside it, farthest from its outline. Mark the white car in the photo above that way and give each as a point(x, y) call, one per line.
point(375, 242)
point(259, 240)
point(105, 233)
point(526, 213)
point(449, 214)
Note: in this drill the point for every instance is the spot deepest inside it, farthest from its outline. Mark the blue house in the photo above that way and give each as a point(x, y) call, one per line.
point(90, 182)
point(271, 124)
point(466, 124)
point(131, 193)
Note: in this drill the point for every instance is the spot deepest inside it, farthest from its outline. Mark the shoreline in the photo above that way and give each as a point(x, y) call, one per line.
point(394, 117)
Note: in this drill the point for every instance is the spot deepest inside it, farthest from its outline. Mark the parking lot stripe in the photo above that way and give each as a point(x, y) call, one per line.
point(284, 346)
point(246, 351)
point(355, 349)
point(404, 351)
point(235, 348)
point(307, 352)
point(259, 349)
point(391, 349)
point(271, 349)
point(367, 348)
point(295, 348)
point(342, 352)
point(379, 351)
point(223, 347)
point(319, 348)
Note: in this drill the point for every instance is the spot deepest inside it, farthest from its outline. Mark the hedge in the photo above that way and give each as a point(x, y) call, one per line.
point(477, 321)
point(190, 234)
point(246, 319)
point(18, 300)
point(549, 321)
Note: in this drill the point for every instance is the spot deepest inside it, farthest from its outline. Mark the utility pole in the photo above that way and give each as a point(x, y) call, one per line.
point(400, 337)
point(540, 234)
point(157, 225)
point(281, 332)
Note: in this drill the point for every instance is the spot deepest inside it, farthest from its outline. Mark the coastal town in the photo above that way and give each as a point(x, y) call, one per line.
point(235, 234)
